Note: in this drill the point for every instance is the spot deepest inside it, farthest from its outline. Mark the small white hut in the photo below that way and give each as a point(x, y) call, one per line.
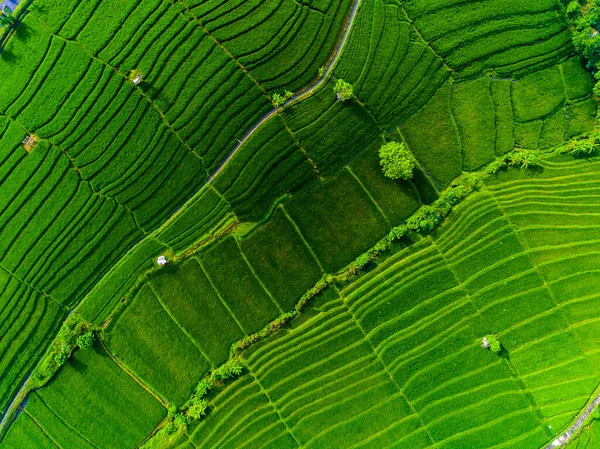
point(162, 260)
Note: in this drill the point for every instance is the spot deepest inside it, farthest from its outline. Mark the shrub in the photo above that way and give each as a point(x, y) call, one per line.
point(396, 161)
point(181, 420)
point(60, 358)
point(86, 341)
point(197, 409)
point(495, 345)
point(343, 90)
point(135, 74)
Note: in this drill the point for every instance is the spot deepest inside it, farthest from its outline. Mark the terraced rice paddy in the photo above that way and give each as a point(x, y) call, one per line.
point(261, 208)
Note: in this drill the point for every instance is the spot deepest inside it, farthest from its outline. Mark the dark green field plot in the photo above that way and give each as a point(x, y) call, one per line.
point(90, 404)
point(238, 287)
point(150, 343)
point(338, 220)
point(438, 149)
point(269, 165)
point(473, 110)
point(282, 260)
point(195, 306)
point(397, 199)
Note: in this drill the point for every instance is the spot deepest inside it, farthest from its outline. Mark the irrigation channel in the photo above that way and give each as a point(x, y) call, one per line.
point(301, 95)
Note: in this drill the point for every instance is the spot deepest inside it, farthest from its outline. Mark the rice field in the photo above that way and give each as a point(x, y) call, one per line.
point(257, 204)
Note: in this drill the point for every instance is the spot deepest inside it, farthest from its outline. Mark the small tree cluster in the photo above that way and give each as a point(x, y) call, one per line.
point(585, 147)
point(521, 159)
point(494, 344)
point(343, 90)
point(396, 161)
point(74, 333)
point(278, 99)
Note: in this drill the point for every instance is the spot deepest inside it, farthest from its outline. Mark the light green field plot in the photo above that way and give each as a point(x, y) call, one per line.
point(90, 395)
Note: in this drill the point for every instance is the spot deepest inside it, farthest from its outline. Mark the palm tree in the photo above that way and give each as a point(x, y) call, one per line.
point(6, 17)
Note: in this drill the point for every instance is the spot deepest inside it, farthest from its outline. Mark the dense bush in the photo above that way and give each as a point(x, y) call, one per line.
point(396, 161)
point(75, 333)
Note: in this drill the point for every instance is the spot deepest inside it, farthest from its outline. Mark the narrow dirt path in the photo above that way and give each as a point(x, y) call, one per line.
point(565, 437)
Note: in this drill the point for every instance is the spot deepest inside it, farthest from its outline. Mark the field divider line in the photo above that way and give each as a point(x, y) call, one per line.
point(392, 378)
point(130, 374)
point(264, 287)
point(212, 285)
point(274, 406)
point(177, 323)
point(40, 292)
point(369, 195)
point(293, 223)
point(63, 421)
point(42, 429)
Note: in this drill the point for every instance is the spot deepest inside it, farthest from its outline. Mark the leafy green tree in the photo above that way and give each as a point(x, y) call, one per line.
point(198, 409)
point(528, 159)
point(277, 100)
point(573, 8)
point(86, 340)
point(494, 343)
point(181, 420)
point(396, 161)
point(60, 358)
point(343, 90)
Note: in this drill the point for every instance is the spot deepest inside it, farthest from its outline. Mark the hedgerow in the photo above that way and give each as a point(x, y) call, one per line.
point(75, 333)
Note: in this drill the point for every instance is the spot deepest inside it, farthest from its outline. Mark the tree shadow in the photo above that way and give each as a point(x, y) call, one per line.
point(78, 365)
point(8, 56)
point(22, 31)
